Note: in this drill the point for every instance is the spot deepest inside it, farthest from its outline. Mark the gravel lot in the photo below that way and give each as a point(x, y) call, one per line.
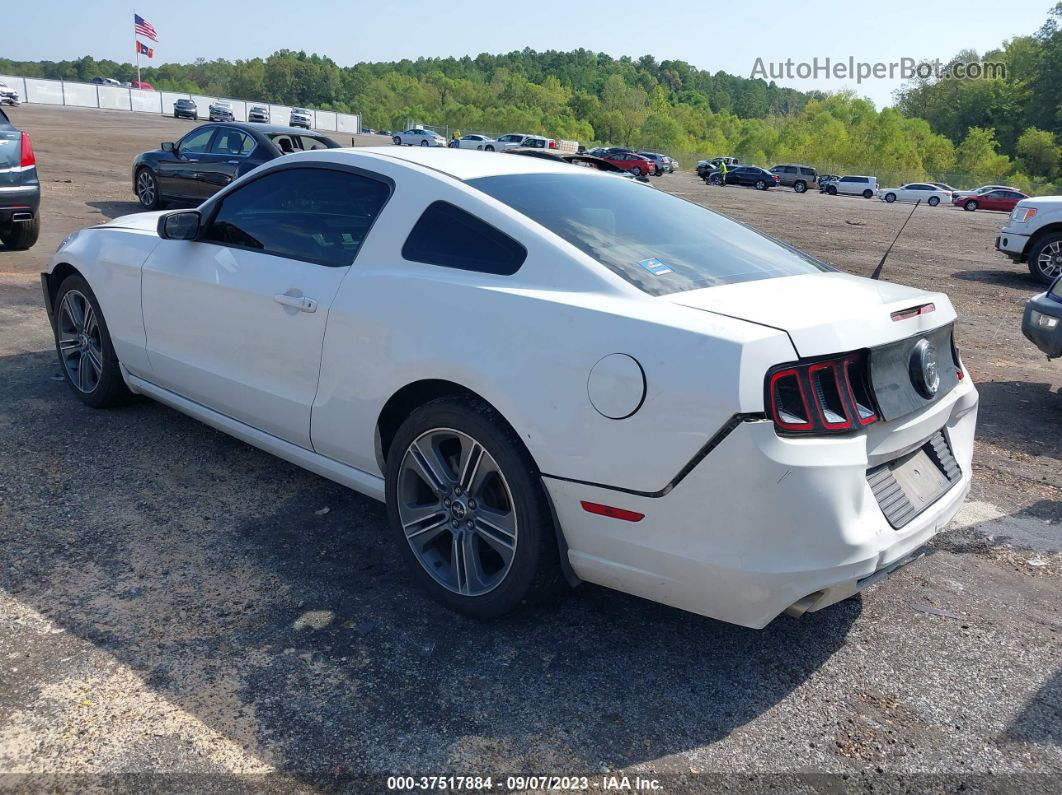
point(175, 602)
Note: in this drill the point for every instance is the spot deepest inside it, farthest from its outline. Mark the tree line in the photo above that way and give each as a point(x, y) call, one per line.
point(962, 131)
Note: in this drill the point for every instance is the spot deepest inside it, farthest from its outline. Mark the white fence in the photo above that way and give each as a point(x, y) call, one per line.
point(89, 95)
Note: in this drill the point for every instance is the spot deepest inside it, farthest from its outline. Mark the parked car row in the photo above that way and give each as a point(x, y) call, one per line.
point(221, 110)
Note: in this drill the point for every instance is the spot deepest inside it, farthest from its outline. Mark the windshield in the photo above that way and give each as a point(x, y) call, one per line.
point(1056, 289)
point(655, 241)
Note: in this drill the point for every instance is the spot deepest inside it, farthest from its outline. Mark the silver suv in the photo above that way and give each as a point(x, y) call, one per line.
point(796, 176)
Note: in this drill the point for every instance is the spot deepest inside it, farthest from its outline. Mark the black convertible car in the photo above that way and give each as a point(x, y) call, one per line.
point(211, 156)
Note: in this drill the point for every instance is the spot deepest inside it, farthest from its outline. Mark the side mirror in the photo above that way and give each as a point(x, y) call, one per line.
point(168, 146)
point(179, 225)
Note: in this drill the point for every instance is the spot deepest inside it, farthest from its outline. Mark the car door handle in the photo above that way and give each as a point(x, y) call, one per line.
point(233, 162)
point(301, 303)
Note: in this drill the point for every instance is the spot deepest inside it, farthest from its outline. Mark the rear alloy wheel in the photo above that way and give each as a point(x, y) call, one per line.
point(1045, 259)
point(84, 346)
point(970, 206)
point(868, 194)
point(800, 186)
point(637, 171)
point(147, 190)
point(467, 507)
point(761, 185)
point(890, 197)
point(20, 235)
point(488, 148)
point(933, 201)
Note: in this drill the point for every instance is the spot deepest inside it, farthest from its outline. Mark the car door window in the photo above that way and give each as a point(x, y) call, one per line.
point(232, 142)
point(448, 236)
point(312, 214)
point(197, 141)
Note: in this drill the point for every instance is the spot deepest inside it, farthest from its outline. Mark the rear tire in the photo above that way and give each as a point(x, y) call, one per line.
point(761, 185)
point(800, 186)
point(970, 206)
point(21, 235)
point(1049, 248)
point(460, 564)
point(868, 194)
point(86, 355)
point(933, 201)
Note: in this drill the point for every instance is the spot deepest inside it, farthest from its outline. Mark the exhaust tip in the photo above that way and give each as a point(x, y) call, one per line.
point(22, 216)
point(801, 606)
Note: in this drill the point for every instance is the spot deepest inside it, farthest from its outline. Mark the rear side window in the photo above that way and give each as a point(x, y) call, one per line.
point(448, 236)
point(232, 142)
point(807, 171)
point(311, 214)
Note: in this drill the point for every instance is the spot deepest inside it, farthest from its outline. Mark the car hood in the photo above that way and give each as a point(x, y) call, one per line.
point(147, 222)
point(824, 313)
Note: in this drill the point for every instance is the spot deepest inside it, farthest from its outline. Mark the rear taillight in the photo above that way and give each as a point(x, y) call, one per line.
point(28, 158)
point(825, 396)
point(552, 144)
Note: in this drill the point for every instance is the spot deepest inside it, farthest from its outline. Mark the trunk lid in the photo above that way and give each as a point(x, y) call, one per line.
point(824, 313)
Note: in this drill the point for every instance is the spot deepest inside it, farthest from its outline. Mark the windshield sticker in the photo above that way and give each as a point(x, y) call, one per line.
point(655, 266)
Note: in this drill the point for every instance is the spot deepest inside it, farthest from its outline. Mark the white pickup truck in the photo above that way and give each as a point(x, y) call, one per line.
point(1033, 234)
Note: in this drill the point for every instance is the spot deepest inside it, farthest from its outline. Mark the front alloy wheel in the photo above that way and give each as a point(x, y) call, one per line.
point(147, 190)
point(1045, 260)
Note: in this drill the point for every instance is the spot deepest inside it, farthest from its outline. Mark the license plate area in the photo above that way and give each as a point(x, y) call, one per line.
point(906, 486)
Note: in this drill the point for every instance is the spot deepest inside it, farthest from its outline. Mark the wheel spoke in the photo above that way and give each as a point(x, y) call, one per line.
point(497, 529)
point(82, 371)
point(68, 344)
point(96, 360)
point(486, 466)
point(471, 457)
point(90, 319)
point(471, 565)
point(429, 466)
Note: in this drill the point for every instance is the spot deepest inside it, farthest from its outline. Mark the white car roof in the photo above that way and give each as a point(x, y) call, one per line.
point(462, 164)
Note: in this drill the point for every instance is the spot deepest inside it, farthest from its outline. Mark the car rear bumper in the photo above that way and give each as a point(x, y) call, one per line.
point(766, 524)
point(18, 201)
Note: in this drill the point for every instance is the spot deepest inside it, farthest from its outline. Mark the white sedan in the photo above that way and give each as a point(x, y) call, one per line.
point(925, 192)
point(474, 141)
point(418, 137)
point(546, 373)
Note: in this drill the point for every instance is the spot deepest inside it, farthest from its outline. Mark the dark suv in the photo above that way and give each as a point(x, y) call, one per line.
point(20, 190)
point(795, 176)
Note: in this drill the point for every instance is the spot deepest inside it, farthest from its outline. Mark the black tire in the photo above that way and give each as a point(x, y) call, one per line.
point(933, 201)
point(761, 185)
point(1041, 275)
point(423, 143)
point(831, 190)
point(637, 171)
point(195, 117)
point(397, 141)
point(21, 235)
point(890, 197)
point(175, 115)
point(868, 194)
point(535, 569)
point(488, 148)
point(800, 186)
point(970, 206)
point(110, 390)
point(147, 189)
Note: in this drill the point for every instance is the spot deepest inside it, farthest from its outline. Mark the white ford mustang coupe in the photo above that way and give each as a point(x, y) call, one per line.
point(545, 372)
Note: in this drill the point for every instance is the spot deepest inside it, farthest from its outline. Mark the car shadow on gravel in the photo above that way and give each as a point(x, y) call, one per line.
point(1019, 280)
point(1022, 414)
point(114, 209)
point(271, 605)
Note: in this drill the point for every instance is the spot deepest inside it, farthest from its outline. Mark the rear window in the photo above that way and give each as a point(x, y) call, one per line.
point(655, 241)
point(301, 143)
point(448, 236)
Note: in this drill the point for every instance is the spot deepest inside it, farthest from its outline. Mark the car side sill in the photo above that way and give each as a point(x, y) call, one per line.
point(363, 482)
point(700, 455)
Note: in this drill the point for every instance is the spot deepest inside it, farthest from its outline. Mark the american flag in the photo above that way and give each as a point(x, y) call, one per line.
point(144, 28)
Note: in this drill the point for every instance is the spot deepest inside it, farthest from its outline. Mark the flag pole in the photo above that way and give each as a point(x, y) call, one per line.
point(136, 46)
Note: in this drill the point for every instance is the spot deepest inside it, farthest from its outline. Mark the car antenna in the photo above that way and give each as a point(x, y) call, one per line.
point(877, 270)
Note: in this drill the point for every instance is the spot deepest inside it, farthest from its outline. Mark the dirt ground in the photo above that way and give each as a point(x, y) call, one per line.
point(176, 603)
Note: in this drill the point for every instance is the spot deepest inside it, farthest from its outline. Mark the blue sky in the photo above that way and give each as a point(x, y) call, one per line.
point(351, 30)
